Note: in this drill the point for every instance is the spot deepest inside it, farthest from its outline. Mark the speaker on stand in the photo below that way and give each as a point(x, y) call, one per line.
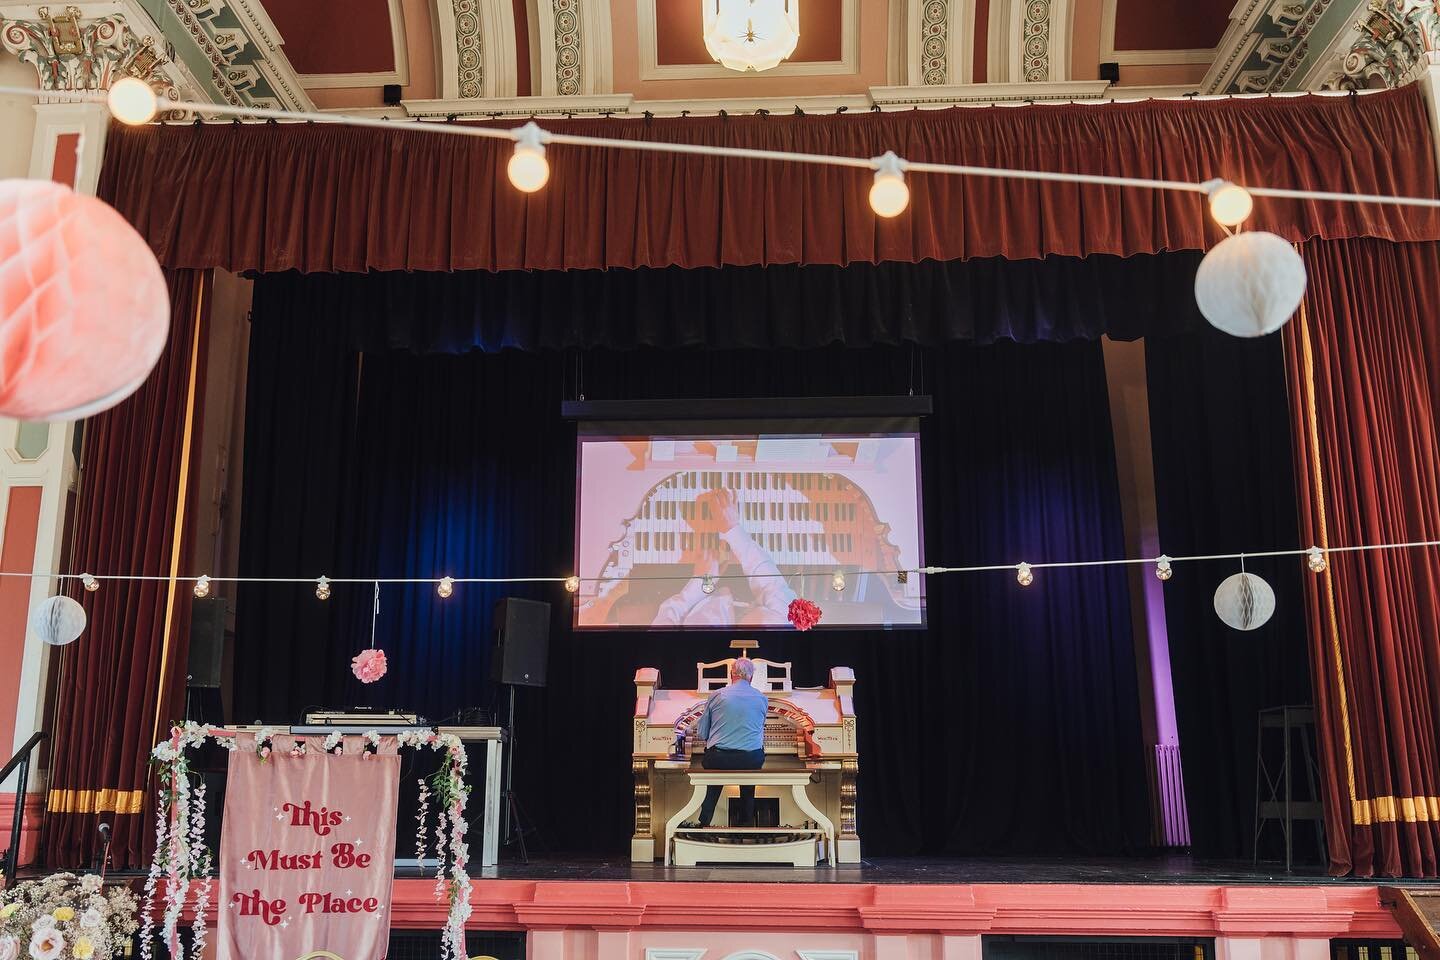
point(522, 650)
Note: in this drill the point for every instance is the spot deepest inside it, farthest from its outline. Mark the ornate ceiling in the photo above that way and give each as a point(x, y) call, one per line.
point(545, 56)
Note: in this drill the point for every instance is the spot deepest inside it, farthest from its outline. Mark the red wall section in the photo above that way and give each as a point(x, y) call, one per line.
point(335, 36)
point(17, 554)
point(1147, 25)
point(65, 163)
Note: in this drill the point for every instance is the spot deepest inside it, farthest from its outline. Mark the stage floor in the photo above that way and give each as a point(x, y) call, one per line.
point(1166, 870)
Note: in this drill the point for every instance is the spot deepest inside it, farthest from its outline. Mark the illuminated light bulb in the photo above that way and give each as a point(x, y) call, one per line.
point(1230, 203)
point(1163, 570)
point(90, 583)
point(837, 581)
point(322, 588)
point(528, 169)
point(1024, 575)
point(572, 584)
point(889, 196)
point(445, 587)
point(1315, 560)
point(132, 101)
point(202, 586)
point(707, 585)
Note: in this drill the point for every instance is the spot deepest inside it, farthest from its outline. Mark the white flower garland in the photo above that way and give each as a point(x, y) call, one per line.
point(182, 857)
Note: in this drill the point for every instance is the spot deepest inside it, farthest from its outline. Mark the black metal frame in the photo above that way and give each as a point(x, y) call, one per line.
point(20, 761)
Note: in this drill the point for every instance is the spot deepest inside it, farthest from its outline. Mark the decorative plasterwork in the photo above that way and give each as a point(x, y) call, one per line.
point(935, 42)
point(983, 93)
point(1029, 41)
point(477, 49)
point(614, 103)
point(1396, 39)
point(234, 48)
point(400, 74)
point(1036, 42)
point(574, 43)
point(652, 69)
point(1270, 44)
point(70, 52)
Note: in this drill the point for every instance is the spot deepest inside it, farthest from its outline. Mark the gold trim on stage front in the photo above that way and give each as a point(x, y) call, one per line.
point(95, 801)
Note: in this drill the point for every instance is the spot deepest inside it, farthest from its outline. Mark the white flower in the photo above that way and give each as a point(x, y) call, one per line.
point(46, 944)
point(43, 922)
point(164, 752)
point(91, 919)
point(90, 882)
point(9, 948)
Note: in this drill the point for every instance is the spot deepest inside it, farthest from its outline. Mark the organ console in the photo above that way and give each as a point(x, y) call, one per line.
point(807, 728)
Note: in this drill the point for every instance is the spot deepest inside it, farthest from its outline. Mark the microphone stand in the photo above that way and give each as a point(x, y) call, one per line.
point(104, 830)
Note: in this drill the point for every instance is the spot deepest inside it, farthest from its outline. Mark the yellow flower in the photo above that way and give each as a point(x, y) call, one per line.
point(84, 949)
point(8, 910)
point(63, 914)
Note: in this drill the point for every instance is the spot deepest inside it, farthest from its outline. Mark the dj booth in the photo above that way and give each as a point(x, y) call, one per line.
point(494, 739)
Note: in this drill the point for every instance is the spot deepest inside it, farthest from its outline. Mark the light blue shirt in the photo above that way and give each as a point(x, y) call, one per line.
point(734, 718)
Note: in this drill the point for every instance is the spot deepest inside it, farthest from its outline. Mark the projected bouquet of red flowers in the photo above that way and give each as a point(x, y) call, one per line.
point(803, 614)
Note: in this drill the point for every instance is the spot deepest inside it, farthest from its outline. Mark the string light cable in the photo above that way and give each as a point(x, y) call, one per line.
point(531, 140)
point(1310, 554)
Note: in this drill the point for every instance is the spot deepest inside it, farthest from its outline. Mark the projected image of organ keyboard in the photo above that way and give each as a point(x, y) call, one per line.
point(724, 532)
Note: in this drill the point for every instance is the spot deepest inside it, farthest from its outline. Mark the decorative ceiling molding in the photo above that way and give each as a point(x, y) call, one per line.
point(613, 103)
point(233, 46)
point(1395, 41)
point(575, 47)
point(477, 49)
point(71, 51)
point(647, 30)
point(963, 94)
point(1268, 46)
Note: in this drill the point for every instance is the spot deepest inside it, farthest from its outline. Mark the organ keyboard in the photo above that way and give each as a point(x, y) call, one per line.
point(807, 728)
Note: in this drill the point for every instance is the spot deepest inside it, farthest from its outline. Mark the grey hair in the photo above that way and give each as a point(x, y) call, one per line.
point(744, 668)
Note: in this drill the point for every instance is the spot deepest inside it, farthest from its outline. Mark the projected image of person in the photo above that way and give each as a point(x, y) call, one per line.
point(770, 595)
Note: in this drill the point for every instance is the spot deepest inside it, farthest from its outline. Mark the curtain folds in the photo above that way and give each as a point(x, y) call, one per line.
point(1225, 481)
point(320, 198)
point(1010, 725)
point(785, 306)
point(123, 683)
point(1365, 401)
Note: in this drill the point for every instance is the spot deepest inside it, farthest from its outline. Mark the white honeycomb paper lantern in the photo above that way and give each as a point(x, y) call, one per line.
point(57, 620)
point(1244, 602)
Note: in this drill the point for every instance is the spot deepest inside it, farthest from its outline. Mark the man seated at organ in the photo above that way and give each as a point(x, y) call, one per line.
point(732, 728)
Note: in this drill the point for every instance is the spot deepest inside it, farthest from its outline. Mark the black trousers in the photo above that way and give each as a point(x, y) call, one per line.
point(721, 759)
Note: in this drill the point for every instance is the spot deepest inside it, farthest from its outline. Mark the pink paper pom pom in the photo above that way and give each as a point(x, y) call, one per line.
point(803, 614)
point(368, 665)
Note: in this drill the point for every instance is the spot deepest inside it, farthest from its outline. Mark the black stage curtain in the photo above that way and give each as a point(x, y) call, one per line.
point(1010, 725)
point(1224, 480)
point(1028, 301)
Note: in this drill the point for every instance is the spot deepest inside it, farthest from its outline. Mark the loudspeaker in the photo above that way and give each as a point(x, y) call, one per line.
point(522, 642)
point(207, 643)
point(1110, 71)
point(390, 93)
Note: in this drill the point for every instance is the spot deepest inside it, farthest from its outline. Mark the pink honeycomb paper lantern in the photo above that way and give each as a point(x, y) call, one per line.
point(84, 310)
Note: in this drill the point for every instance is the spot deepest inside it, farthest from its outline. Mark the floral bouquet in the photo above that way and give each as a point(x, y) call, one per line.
point(65, 917)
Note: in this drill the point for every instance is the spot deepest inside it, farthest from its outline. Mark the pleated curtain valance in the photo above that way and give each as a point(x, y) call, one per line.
point(313, 197)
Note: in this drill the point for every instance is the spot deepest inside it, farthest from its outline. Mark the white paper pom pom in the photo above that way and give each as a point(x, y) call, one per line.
point(1248, 285)
point(1244, 601)
point(57, 620)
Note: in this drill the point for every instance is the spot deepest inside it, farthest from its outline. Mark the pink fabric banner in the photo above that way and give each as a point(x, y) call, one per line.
point(307, 850)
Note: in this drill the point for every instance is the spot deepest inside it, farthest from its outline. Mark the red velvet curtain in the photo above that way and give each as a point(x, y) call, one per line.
point(324, 198)
point(122, 682)
point(1365, 402)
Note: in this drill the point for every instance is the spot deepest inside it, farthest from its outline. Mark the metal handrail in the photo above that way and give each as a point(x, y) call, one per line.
point(21, 760)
